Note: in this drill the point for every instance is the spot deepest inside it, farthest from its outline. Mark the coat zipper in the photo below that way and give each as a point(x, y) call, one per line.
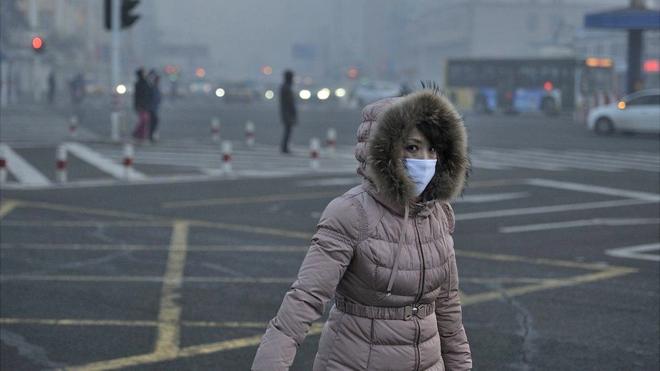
point(421, 255)
point(419, 297)
point(418, 356)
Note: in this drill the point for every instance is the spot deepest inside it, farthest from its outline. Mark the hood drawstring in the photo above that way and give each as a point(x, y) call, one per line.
point(397, 253)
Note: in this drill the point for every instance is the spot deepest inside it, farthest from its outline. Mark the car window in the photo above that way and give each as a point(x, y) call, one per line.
point(645, 100)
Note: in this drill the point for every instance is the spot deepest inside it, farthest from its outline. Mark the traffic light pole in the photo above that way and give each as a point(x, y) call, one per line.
point(114, 116)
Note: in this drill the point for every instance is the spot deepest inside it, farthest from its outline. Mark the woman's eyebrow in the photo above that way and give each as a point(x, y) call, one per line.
point(414, 140)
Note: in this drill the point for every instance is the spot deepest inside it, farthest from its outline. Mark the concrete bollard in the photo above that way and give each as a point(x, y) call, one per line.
point(129, 153)
point(60, 164)
point(73, 126)
point(314, 148)
point(3, 166)
point(249, 133)
point(215, 129)
point(226, 156)
point(331, 141)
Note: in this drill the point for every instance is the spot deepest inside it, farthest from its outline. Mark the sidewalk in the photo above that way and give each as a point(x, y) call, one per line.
point(37, 124)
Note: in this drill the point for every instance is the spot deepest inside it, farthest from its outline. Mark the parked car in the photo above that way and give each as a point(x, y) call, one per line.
point(637, 112)
point(372, 91)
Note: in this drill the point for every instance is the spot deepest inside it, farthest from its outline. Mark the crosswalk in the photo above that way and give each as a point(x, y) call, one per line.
point(183, 159)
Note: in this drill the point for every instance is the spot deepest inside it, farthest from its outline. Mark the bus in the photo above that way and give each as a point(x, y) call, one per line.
point(548, 85)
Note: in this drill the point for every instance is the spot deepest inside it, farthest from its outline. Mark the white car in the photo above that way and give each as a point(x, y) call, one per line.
point(372, 91)
point(637, 112)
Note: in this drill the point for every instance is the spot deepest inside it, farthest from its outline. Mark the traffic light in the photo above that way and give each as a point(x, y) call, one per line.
point(127, 6)
point(126, 18)
point(38, 44)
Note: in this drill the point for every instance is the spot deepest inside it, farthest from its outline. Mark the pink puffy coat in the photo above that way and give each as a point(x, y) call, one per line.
point(388, 262)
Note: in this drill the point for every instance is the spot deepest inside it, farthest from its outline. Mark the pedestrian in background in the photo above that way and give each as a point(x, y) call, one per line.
point(288, 112)
point(141, 104)
point(385, 251)
point(156, 97)
point(51, 87)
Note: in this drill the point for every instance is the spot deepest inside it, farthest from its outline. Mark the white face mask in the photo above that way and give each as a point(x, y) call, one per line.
point(420, 172)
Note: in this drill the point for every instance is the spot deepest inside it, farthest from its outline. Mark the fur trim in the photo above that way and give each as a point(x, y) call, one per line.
point(385, 165)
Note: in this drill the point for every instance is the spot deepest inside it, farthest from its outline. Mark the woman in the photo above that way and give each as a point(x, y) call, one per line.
point(384, 250)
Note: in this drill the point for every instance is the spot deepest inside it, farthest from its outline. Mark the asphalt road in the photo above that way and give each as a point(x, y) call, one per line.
point(559, 263)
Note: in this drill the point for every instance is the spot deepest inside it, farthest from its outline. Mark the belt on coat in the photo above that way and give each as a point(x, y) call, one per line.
point(406, 313)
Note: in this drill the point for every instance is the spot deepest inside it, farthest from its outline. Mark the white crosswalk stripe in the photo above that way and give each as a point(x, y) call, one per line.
point(205, 159)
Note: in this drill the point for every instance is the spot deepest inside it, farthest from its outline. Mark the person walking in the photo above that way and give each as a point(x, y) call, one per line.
point(156, 97)
point(288, 112)
point(385, 250)
point(141, 104)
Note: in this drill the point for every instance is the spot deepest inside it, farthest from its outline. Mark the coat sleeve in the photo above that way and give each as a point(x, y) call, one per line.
point(453, 340)
point(326, 261)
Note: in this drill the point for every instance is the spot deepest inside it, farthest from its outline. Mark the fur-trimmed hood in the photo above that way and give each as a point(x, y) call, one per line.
point(381, 137)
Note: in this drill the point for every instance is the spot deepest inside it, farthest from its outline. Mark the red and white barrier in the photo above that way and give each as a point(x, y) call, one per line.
point(249, 134)
point(314, 148)
point(215, 129)
point(73, 126)
point(129, 154)
point(226, 156)
point(3, 166)
point(331, 141)
point(60, 164)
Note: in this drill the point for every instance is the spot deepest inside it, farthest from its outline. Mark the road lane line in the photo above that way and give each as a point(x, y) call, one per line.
point(156, 248)
point(246, 200)
point(547, 285)
point(102, 163)
point(549, 209)
point(76, 322)
point(22, 170)
point(7, 207)
point(643, 196)
point(636, 252)
point(491, 197)
point(192, 222)
point(169, 316)
point(124, 323)
point(86, 223)
point(144, 279)
point(187, 352)
point(579, 223)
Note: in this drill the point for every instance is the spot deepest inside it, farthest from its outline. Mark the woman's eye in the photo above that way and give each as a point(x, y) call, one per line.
point(412, 148)
point(432, 150)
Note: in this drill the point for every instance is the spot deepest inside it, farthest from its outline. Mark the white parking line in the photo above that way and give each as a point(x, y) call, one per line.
point(22, 170)
point(102, 163)
point(578, 223)
point(491, 197)
point(548, 209)
point(636, 252)
point(654, 197)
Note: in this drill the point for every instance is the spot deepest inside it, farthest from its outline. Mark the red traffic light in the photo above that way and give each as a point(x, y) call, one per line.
point(547, 86)
point(37, 43)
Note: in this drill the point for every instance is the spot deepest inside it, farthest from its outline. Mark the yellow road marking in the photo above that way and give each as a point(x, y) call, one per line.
point(170, 309)
point(549, 284)
point(87, 223)
point(124, 323)
point(196, 223)
point(7, 207)
point(76, 322)
point(187, 352)
point(495, 183)
point(190, 248)
point(144, 279)
point(252, 229)
point(536, 261)
point(247, 200)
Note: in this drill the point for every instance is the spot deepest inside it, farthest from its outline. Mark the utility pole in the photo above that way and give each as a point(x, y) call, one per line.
point(115, 73)
point(33, 18)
